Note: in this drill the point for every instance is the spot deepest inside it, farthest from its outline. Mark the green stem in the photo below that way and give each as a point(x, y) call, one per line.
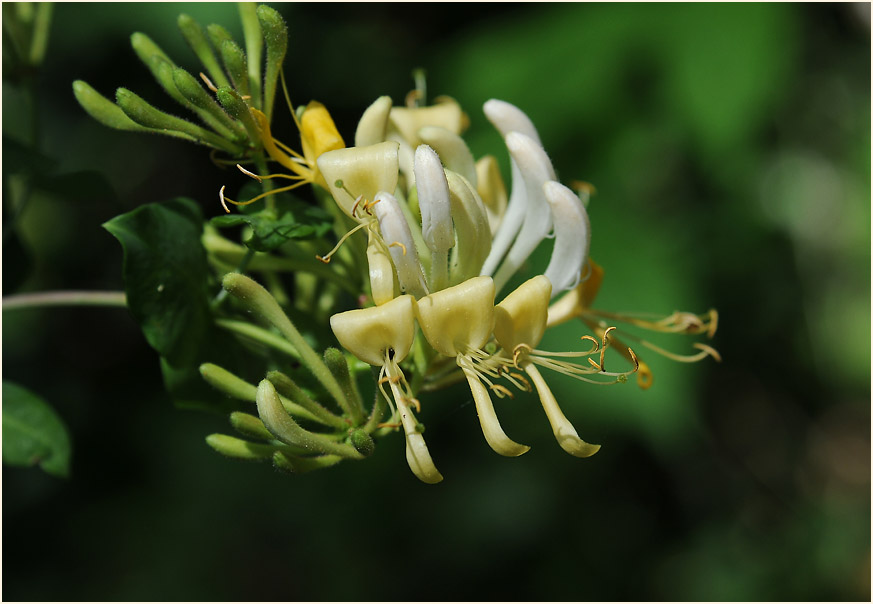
point(64, 298)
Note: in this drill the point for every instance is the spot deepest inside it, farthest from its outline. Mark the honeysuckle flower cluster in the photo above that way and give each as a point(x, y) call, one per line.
point(427, 239)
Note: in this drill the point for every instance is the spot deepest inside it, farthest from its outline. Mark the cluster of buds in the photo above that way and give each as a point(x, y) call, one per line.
point(232, 97)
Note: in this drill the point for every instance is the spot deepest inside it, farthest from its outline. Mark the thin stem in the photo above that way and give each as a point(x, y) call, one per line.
point(64, 298)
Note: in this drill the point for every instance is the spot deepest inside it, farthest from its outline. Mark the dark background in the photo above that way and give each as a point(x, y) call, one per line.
point(730, 148)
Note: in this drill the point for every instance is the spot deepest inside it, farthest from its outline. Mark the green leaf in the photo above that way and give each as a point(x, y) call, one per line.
point(292, 219)
point(165, 276)
point(33, 432)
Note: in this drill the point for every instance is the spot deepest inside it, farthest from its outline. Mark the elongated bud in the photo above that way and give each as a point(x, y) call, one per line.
point(362, 442)
point(452, 151)
point(194, 92)
point(276, 38)
point(572, 236)
point(223, 380)
point(235, 62)
point(492, 190)
point(249, 425)
point(433, 200)
point(339, 367)
point(147, 50)
point(254, 47)
point(398, 237)
point(507, 118)
point(381, 270)
point(103, 110)
point(238, 448)
point(373, 126)
point(471, 225)
point(300, 465)
point(196, 39)
point(283, 427)
point(218, 35)
point(237, 108)
point(144, 114)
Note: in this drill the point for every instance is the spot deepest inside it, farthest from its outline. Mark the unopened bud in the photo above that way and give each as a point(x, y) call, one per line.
point(239, 448)
point(200, 45)
point(103, 110)
point(249, 425)
point(362, 442)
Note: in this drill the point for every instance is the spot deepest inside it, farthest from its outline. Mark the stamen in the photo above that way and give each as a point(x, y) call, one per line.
point(605, 344)
point(248, 173)
point(398, 244)
point(326, 257)
point(502, 391)
point(221, 197)
point(258, 197)
point(208, 82)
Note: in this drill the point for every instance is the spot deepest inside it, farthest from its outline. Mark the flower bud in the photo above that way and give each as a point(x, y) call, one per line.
point(362, 442)
point(196, 39)
point(239, 448)
point(103, 110)
point(276, 39)
point(235, 62)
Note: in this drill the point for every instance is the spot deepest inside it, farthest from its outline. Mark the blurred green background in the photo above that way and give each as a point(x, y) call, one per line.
point(730, 148)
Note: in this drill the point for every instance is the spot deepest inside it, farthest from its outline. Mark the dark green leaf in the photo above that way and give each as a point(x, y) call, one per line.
point(165, 276)
point(291, 219)
point(33, 433)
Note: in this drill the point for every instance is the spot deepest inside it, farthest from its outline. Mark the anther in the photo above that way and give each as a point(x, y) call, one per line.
point(208, 82)
point(221, 197)
point(398, 244)
point(634, 358)
point(502, 391)
point(248, 173)
point(605, 344)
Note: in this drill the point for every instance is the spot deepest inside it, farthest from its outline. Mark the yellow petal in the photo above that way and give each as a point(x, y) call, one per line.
point(373, 125)
point(318, 133)
point(458, 318)
point(521, 317)
point(494, 434)
point(408, 121)
point(363, 171)
point(368, 333)
point(492, 190)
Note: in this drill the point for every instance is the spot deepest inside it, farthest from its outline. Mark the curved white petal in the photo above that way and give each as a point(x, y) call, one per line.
point(572, 237)
point(535, 168)
point(433, 200)
point(452, 151)
point(374, 123)
point(398, 237)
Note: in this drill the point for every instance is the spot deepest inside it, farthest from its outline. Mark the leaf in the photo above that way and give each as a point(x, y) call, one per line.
point(292, 218)
point(33, 432)
point(165, 276)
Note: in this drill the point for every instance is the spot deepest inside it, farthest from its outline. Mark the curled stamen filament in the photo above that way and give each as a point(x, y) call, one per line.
point(326, 257)
point(224, 199)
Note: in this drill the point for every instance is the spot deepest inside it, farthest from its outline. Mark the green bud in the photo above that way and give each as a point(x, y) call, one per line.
point(103, 110)
point(218, 35)
point(191, 89)
point(144, 114)
point(197, 41)
point(240, 449)
point(276, 38)
point(362, 442)
point(147, 50)
point(300, 465)
point(236, 106)
point(249, 425)
point(286, 387)
point(283, 426)
point(223, 380)
point(235, 63)
point(254, 45)
point(339, 367)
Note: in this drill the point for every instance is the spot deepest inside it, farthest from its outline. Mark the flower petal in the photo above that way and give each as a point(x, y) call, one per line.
point(373, 124)
point(433, 200)
point(572, 237)
point(398, 237)
point(368, 333)
point(452, 151)
point(363, 171)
